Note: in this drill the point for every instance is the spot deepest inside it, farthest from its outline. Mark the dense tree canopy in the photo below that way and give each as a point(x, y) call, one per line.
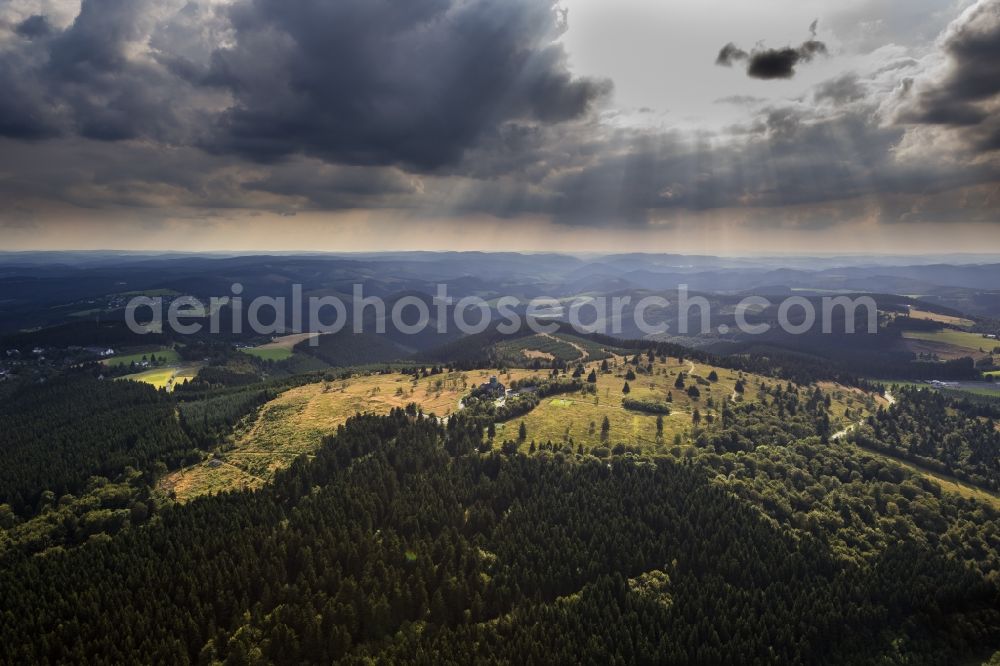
point(756, 537)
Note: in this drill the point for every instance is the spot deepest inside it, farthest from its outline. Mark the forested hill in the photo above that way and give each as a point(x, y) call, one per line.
point(399, 542)
point(939, 432)
point(55, 436)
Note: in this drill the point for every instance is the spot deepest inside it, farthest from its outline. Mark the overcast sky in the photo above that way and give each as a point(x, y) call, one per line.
point(716, 126)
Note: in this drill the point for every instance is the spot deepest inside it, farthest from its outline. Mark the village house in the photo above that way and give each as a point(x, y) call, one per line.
point(493, 388)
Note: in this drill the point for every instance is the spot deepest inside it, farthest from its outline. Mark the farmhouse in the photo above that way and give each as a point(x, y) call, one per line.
point(493, 388)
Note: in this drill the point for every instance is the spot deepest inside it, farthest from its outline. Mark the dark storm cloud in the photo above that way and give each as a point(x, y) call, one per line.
point(447, 107)
point(780, 63)
point(111, 97)
point(33, 26)
point(416, 83)
point(967, 95)
point(410, 82)
point(789, 158)
point(773, 63)
point(335, 188)
point(730, 53)
point(82, 81)
point(786, 158)
point(25, 110)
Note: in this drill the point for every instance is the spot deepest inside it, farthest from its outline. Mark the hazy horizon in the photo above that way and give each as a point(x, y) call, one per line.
point(986, 257)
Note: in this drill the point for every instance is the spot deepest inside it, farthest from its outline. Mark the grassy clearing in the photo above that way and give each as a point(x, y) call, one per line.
point(151, 292)
point(944, 319)
point(207, 478)
point(989, 390)
point(971, 342)
point(269, 353)
point(279, 349)
point(953, 389)
point(577, 418)
point(86, 313)
point(295, 423)
point(166, 355)
point(167, 377)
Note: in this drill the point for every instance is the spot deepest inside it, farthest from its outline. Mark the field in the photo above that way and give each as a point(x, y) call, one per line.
point(295, 423)
point(948, 344)
point(167, 355)
point(86, 313)
point(953, 388)
point(151, 292)
point(269, 353)
point(280, 348)
point(167, 377)
point(978, 388)
point(944, 319)
point(577, 418)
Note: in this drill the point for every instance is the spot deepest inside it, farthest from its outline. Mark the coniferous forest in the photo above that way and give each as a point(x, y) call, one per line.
point(403, 541)
point(501, 332)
